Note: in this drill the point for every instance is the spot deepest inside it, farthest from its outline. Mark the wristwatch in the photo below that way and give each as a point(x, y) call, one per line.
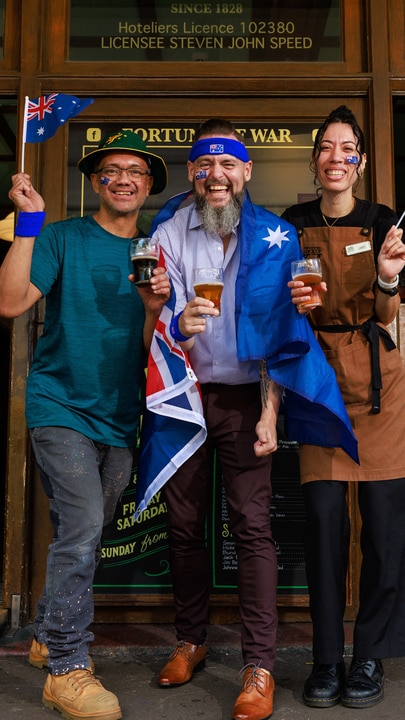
point(393, 291)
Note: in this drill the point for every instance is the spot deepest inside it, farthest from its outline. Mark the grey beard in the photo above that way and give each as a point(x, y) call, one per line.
point(219, 220)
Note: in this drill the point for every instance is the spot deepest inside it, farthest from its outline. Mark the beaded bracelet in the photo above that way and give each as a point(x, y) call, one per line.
point(29, 224)
point(174, 329)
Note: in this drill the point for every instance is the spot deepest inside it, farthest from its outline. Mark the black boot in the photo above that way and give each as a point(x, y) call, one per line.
point(323, 687)
point(364, 686)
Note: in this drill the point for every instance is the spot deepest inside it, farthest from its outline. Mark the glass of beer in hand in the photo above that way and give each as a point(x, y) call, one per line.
point(144, 256)
point(309, 271)
point(208, 283)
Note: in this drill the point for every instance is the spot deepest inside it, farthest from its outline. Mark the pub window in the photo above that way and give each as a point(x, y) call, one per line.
point(8, 123)
point(246, 31)
point(280, 152)
point(135, 553)
point(2, 4)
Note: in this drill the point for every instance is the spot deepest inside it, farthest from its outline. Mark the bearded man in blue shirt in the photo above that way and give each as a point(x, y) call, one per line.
point(240, 414)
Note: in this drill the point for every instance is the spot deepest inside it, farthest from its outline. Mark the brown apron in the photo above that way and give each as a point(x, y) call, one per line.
point(362, 354)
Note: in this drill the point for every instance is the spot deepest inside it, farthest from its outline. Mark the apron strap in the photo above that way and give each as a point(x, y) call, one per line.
point(372, 332)
point(370, 217)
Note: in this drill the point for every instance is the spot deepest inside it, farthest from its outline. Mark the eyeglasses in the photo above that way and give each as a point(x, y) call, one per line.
point(115, 172)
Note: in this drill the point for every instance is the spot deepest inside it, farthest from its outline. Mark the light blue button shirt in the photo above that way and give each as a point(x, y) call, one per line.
point(187, 245)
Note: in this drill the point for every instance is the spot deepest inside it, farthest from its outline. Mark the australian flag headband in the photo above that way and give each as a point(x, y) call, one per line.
point(218, 146)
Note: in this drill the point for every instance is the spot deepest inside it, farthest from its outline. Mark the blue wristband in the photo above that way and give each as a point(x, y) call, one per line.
point(174, 329)
point(29, 224)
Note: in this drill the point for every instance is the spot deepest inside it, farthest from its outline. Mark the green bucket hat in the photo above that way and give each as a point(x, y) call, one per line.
point(130, 141)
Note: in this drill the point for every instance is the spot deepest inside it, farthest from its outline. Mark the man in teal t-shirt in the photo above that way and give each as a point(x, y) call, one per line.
point(83, 390)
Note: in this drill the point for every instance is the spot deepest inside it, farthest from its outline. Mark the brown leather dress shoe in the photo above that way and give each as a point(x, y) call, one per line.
point(255, 701)
point(184, 660)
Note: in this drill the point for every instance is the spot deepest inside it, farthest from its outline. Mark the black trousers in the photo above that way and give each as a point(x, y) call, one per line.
point(231, 413)
point(380, 624)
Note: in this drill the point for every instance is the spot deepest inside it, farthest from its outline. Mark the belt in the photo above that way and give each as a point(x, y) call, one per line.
point(216, 387)
point(372, 332)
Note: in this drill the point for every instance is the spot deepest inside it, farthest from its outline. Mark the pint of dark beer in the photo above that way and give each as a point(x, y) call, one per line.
point(144, 256)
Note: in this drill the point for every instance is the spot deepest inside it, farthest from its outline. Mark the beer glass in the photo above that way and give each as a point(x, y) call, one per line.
point(208, 283)
point(309, 271)
point(144, 256)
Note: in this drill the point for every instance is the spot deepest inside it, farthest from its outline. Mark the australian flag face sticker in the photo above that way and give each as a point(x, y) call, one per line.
point(216, 149)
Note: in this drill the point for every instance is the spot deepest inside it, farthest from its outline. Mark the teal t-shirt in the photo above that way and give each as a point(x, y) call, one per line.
point(88, 367)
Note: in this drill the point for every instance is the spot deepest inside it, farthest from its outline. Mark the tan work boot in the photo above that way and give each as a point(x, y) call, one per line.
point(38, 656)
point(78, 695)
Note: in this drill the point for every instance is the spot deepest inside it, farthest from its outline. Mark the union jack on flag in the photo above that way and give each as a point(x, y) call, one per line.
point(173, 426)
point(46, 114)
point(38, 108)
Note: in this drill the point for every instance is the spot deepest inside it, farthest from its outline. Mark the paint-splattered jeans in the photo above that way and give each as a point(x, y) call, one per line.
point(83, 480)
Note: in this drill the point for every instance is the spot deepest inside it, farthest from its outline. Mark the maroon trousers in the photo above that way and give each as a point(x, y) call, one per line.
point(231, 414)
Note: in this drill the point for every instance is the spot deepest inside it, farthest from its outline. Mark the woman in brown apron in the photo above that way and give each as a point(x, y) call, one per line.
point(362, 253)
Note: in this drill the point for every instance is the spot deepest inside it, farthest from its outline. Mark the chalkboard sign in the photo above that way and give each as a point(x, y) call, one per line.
point(135, 555)
point(287, 521)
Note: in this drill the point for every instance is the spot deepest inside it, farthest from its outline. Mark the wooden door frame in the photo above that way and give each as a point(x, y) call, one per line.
point(294, 91)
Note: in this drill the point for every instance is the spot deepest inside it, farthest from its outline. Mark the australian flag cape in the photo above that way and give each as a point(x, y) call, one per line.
point(269, 327)
point(173, 425)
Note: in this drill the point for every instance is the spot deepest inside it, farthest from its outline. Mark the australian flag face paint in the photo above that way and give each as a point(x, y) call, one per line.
point(352, 159)
point(201, 175)
point(104, 180)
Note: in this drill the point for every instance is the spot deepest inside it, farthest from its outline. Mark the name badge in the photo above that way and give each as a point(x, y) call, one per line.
point(357, 248)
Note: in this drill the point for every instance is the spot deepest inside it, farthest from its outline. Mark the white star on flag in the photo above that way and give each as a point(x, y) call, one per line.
point(276, 237)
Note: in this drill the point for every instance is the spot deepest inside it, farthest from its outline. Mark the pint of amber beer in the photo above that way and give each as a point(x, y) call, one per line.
point(208, 283)
point(309, 271)
point(144, 256)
